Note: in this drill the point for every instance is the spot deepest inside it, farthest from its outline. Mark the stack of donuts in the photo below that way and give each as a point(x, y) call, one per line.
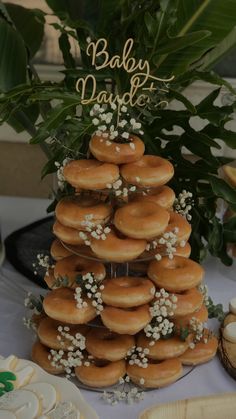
point(121, 205)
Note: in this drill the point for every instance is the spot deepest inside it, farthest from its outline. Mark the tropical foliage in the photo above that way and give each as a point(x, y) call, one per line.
point(178, 37)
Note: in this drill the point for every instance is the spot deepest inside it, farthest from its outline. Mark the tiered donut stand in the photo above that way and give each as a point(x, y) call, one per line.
point(125, 298)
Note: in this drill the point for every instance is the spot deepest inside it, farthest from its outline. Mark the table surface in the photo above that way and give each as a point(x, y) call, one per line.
point(204, 380)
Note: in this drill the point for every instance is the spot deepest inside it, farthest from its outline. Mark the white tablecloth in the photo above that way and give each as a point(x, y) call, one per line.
point(204, 380)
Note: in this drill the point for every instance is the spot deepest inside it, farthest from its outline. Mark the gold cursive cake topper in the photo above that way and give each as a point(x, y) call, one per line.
point(141, 80)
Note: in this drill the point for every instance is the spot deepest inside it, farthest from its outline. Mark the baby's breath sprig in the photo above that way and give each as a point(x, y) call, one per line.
point(138, 356)
point(120, 188)
point(184, 203)
point(128, 393)
point(43, 263)
point(97, 231)
point(203, 288)
point(72, 358)
point(60, 175)
point(162, 308)
point(89, 286)
point(165, 244)
point(34, 303)
point(115, 124)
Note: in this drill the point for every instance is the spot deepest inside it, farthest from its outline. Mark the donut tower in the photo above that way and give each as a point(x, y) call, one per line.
point(125, 300)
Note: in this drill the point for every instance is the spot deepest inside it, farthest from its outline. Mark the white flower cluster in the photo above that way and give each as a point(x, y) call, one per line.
point(73, 357)
point(163, 307)
point(98, 231)
point(29, 323)
point(197, 328)
point(92, 289)
point(166, 244)
point(110, 125)
point(138, 356)
point(34, 303)
point(184, 203)
point(204, 290)
point(60, 176)
point(133, 394)
point(43, 261)
point(119, 189)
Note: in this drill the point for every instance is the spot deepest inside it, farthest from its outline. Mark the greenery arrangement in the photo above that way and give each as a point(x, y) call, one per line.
point(178, 37)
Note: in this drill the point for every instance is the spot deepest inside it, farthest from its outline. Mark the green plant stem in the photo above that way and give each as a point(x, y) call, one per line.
point(30, 128)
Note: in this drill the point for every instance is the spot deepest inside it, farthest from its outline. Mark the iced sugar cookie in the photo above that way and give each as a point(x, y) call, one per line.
point(4, 414)
point(7, 379)
point(9, 363)
point(46, 393)
point(24, 404)
point(23, 376)
point(65, 410)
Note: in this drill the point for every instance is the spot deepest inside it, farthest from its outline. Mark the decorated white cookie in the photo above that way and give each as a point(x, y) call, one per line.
point(65, 410)
point(8, 364)
point(229, 332)
point(46, 393)
point(5, 414)
point(24, 404)
point(232, 305)
point(23, 376)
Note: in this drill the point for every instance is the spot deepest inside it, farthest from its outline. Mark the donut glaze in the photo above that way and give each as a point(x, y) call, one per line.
point(104, 344)
point(149, 171)
point(126, 291)
point(115, 152)
point(90, 174)
point(60, 304)
point(73, 211)
point(177, 274)
point(141, 220)
point(126, 321)
point(101, 374)
point(156, 374)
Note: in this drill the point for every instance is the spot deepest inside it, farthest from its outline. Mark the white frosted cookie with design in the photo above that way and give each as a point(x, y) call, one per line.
point(65, 410)
point(9, 363)
point(46, 393)
point(5, 414)
point(24, 404)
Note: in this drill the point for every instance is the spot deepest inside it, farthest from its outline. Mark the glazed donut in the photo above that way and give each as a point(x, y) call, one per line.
point(177, 221)
point(127, 291)
point(115, 152)
point(188, 302)
point(184, 251)
point(117, 249)
point(40, 355)
point(177, 274)
point(126, 321)
point(141, 220)
point(202, 352)
point(200, 315)
point(156, 374)
point(149, 171)
point(104, 344)
point(58, 251)
point(60, 304)
point(73, 211)
point(74, 265)
point(101, 373)
point(163, 196)
point(163, 348)
point(48, 333)
point(68, 235)
point(90, 174)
